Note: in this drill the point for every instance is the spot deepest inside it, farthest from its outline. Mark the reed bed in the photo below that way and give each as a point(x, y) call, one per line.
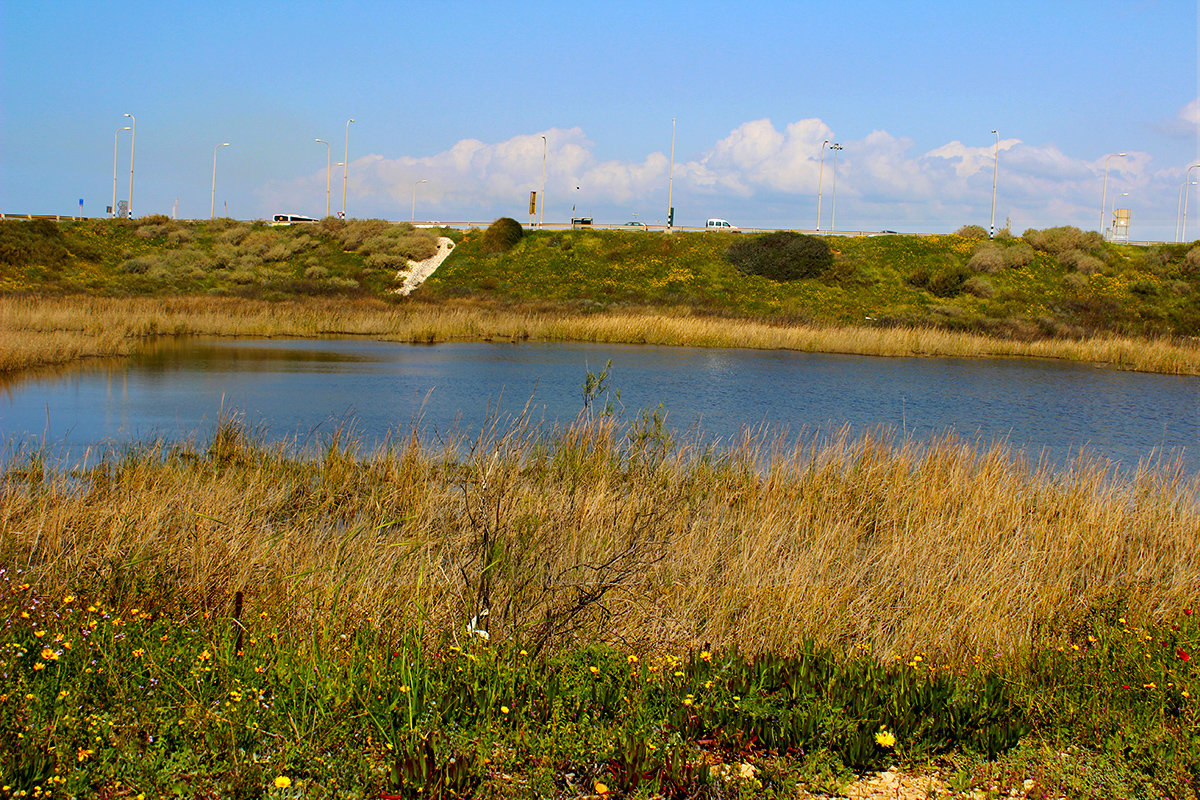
point(38, 331)
point(598, 533)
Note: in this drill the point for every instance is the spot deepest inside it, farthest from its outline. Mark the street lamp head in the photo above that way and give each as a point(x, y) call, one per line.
point(223, 144)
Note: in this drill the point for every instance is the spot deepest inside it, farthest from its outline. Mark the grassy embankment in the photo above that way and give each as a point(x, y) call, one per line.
point(1128, 307)
point(251, 614)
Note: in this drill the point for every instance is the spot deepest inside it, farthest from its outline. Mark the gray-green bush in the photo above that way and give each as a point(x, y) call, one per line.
point(1081, 262)
point(988, 257)
point(1063, 239)
point(1019, 254)
point(502, 235)
point(781, 256)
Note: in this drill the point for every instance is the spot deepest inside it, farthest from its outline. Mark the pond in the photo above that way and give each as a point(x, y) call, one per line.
point(303, 390)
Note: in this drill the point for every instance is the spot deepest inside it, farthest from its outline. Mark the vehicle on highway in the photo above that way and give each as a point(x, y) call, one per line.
point(580, 221)
point(716, 224)
point(288, 219)
point(635, 224)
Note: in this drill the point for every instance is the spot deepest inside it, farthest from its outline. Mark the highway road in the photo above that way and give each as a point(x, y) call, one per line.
point(566, 226)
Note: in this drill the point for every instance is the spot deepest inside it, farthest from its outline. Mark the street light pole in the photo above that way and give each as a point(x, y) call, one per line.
point(542, 201)
point(132, 143)
point(995, 169)
point(414, 199)
point(1116, 199)
point(114, 199)
point(328, 171)
point(212, 208)
point(1179, 207)
point(671, 179)
point(1187, 177)
point(1104, 193)
point(820, 178)
point(833, 212)
point(346, 167)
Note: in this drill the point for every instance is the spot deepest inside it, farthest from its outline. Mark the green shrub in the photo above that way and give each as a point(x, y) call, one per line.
point(949, 281)
point(140, 265)
point(236, 233)
point(1081, 262)
point(781, 256)
point(39, 241)
point(502, 235)
point(971, 232)
point(1063, 239)
point(1075, 282)
point(988, 257)
point(980, 287)
point(1191, 262)
point(357, 232)
point(387, 261)
point(1144, 288)
point(417, 245)
point(919, 278)
point(1019, 255)
point(153, 231)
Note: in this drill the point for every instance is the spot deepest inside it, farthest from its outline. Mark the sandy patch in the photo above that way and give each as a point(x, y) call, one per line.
point(418, 271)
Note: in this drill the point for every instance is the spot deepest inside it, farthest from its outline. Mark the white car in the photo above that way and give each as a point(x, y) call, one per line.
point(719, 225)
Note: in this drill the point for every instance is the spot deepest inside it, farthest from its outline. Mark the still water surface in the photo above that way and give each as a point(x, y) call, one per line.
point(303, 390)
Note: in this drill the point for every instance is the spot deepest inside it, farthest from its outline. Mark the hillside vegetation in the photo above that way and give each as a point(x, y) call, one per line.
point(1013, 287)
point(1057, 283)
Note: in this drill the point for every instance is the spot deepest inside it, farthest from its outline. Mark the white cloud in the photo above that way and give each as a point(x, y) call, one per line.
point(756, 171)
point(1190, 114)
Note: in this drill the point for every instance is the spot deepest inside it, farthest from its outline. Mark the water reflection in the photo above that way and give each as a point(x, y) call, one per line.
point(299, 389)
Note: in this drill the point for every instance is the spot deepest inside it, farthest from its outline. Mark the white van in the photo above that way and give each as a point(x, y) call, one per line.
point(719, 225)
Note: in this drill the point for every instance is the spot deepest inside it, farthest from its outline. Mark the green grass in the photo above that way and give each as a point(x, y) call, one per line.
point(117, 700)
point(874, 280)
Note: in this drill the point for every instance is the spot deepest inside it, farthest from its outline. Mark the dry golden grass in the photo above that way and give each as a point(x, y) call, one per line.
point(37, 331)
point(949, 548)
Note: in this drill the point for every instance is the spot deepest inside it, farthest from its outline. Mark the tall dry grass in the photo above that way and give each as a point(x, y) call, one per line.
point(40, 331)
point(950, 547)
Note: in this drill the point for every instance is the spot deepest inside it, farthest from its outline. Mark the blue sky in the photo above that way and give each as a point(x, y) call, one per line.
point(459, 94)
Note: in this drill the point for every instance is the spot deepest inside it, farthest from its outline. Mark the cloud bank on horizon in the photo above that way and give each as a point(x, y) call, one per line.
point(760, 175)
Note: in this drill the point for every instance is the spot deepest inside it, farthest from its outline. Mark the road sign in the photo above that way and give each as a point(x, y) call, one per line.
point(533, 202)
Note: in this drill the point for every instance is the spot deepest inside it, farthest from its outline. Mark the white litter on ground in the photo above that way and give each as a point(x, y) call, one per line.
point(418, 271)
